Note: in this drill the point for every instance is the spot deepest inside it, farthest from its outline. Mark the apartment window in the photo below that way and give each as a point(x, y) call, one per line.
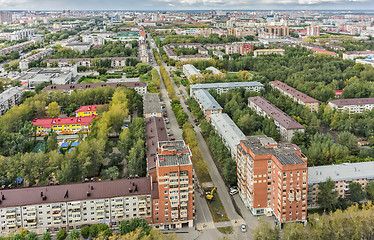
point(166, 209)
point(166, 191)
point(156, 219)
point(166, 197)
point(166, 214)
point(166, 186)
point(156, 203)
point(166, 203)
point(166, 219)
point(156, 208)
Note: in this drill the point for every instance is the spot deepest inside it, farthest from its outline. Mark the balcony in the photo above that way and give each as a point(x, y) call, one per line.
point(56, 213)
point(30, 217)
point(75, 206)
point(11, 219)
point(143, 212)
point(57, 220)
point(56, 207)
point(11, 212)
point(118, 203)
point(118, 213)
point(76, 217)
point(100, 204)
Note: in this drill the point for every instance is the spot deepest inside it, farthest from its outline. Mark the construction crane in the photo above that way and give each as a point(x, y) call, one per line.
point(210, 195)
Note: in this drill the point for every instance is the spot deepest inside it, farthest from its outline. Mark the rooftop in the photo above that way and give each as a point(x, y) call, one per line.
point(75, 192)
point(292, 91)
point(9, 93)
point(225, 85)
point(173, 153)
point(88, 108)
point(283, 151)
point(151, 103)
point(77, 43)
point(352, 101)
point(49, 122)
point(227, 129)
point(83, 86)
point(155, 131)
point(208, 102)
point(272, 111)
point(341, 172)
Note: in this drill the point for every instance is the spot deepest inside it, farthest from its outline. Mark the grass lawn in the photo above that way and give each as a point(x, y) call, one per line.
point(217, 210)
point(225, 230)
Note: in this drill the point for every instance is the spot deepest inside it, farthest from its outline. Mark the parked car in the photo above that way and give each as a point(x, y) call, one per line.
point(244, 228)
point(170, 134)
point(171, 139)
point(233, 192)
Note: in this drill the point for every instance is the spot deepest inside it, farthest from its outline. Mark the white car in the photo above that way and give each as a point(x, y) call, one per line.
point(233, 192)
point(244, 228)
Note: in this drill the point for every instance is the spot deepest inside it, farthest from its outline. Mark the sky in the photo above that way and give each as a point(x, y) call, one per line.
point(187, 5)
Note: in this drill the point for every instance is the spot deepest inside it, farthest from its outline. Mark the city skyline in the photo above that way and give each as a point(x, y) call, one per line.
point(166, 5)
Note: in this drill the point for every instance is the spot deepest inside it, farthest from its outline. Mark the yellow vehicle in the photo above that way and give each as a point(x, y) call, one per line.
point(210, 195)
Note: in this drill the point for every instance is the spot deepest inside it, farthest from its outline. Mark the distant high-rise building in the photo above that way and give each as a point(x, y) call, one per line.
point(280, 31)
point(312, 31)
point(5, 17)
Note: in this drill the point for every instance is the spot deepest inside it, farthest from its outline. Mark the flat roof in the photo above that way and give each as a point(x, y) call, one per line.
point(82, 86)
point(226, 85)
point(9, 93)
point(263, 145)
point(207, 100)
point(278, 115)
point(341, 172)
point(181, 154)
point(227, 129)
point(294, 92)
point(352, 101)
point(151, 103)
point(191, 69)
point(75, 192)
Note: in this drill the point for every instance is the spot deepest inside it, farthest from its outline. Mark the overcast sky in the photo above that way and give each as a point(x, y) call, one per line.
point(187, 4)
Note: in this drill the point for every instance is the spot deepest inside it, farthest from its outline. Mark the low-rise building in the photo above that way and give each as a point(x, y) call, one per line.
point(10, 98)
point(296, 95)
point(272, 178)
point(342, 175)
point(241, 48)
point(191, 72)
point(71, 206)
point(60, 76)
point(116, 62)
point(214, 70)
point(226, 86)
point(229, 132)
point(358, 54)
point(88, 110)
point(207, 103)
point(139, 87)
point(286, 125)
point(79, 46)
point(24, 64)
point(155, 131)
point(67, 125)
point(151, 105)
point(259, 52)
point(352, 105)
point(366, 61)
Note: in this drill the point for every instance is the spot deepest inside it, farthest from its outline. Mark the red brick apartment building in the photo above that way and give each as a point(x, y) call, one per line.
point(272, 178)
point(174, 207)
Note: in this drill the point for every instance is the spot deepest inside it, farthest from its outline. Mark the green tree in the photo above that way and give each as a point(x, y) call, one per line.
point(294, 231)
point(85, 231)
point(74, 235)
point(53, 109)
point(62, 234)
point(370, 190)
point(355, 192)
point(102, 71)
point(265, 232)
point(136, 159)
point(31, 236)
point(111, 173)
point(327, 197)
point(46, 236)
point(350, 141)
point(94, 231)
point(130, 226)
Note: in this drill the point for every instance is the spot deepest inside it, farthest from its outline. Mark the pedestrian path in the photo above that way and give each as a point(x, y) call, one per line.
point(211, 225)
point(204, 226)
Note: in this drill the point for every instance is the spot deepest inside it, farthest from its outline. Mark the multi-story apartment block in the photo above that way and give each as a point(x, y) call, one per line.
point(85, 111)
point(71, 206)
point(151, 105)
point(272, 178)
point(139, 87)
point(143, 51)
point(116, 62)
point(286, 125)
point(68, 125)
point(155, 131)
point(240, 32)
point(342, 175)
point(16, 47)
point(353, 105)
point(5, 17)
point(366, 61)
point(174, 207)
point(296, 95)
point(259, 52)
point(228, 131)
point(241, 48)
point(312, 31)
point(358, 54)
point(24, 64)
point(207, 103)
point(225, 87)
point(9, 98)
point(280, 31)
